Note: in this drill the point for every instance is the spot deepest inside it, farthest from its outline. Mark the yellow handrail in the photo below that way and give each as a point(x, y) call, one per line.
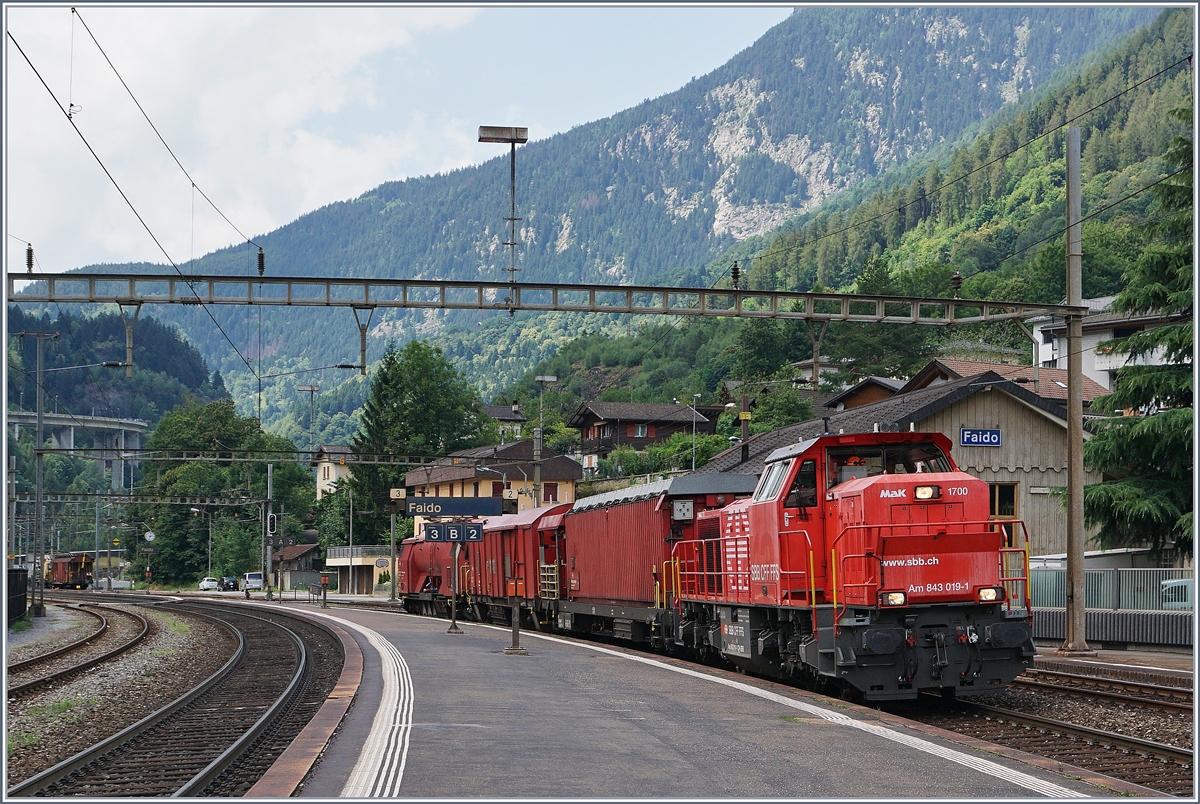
point(833, 583)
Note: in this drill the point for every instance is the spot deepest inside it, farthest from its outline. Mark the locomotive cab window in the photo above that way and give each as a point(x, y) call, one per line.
point(847, 463)
point(772, 481)
point(803, 493)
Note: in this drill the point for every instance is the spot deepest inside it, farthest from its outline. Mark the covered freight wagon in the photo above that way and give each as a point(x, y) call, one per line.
point(69, 572)
point(617, 549)
point(519, 555)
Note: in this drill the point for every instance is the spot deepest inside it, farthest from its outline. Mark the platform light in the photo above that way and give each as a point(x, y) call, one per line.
point(892, 599)
point(928, 492)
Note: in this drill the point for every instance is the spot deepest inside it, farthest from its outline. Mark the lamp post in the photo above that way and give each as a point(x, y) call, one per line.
point(541, 380)
point(312, 391)
point(512, 136)
point(198, 512)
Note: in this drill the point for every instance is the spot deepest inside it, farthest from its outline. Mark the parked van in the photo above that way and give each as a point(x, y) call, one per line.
point(1177, 594)
point(252, 580)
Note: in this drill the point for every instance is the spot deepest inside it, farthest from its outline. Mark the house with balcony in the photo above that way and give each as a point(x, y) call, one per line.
point(1099, 325)
point(604, 426)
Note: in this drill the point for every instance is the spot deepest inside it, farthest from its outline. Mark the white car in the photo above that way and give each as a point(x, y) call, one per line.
point(210, 585)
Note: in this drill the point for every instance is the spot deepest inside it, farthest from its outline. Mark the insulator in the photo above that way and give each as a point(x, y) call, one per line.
point(29, 257)
point(735, 274)
point(956, 282)
point(262, 262)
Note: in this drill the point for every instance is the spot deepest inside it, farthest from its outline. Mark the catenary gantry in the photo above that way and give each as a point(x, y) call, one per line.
point(372, 293)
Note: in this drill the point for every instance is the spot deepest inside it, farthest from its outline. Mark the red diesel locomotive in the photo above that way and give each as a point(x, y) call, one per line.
point(862, 562)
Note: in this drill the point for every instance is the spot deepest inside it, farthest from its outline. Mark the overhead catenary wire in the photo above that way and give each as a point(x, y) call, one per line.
point(195, 187)
point(128, 202)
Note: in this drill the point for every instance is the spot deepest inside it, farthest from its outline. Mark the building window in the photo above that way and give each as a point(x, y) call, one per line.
point(475, 489)
point(1004, 506)
point(325, 472)
point(498, 487)
point(606, 431)
point(641, 431)
point(549, 492)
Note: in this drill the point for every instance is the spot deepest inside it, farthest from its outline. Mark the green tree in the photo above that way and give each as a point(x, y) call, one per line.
point(182, 537)
point(418, 405)
point(1147, 457)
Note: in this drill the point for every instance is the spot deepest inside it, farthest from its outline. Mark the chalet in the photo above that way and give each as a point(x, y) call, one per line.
point(867, 390)
point(604, 426)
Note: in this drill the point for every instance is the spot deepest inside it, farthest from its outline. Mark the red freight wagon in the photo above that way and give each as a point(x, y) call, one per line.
point(618, 550)
point(423, 574)
point(69, 572)
point(510, 559)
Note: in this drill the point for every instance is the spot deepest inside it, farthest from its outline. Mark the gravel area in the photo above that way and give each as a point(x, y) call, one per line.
point(61, 625)
point(180, 652)
point(1131, 720)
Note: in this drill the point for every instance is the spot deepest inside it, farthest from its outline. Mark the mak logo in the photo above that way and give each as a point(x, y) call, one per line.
point(893, 492)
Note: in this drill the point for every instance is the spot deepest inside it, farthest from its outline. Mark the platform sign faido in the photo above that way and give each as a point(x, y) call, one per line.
point(453, 532)
point(453, 506)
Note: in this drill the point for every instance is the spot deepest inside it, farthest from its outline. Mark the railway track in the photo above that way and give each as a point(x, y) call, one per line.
point(1165, 768)
point(218, 738)
point(1153, 696)
point(107, 641)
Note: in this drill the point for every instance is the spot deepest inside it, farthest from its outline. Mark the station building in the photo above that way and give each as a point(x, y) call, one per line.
point(1023, 456)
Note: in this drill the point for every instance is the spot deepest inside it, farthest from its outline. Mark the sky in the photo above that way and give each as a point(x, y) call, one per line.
point(275, 110)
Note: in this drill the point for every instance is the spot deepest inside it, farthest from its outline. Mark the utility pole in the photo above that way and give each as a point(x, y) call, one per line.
point(541, 380)
point(270, 518)
point(1076, 614)
point(38, 606)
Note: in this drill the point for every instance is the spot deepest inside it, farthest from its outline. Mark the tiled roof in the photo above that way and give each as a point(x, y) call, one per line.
point(893, 414)
point(1052, 382)
point(503, 413)
point(635, 412)
point(294, 551)
point(335, 449)
point(510, 459)
point(886, 382)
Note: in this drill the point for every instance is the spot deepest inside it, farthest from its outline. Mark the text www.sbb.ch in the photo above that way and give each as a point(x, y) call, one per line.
point(915, 561)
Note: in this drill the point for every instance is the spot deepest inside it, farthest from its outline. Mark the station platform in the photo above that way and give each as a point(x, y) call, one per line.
point(454, 716)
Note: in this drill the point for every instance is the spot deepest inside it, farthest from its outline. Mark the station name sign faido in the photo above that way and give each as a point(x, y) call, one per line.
point(453, 506)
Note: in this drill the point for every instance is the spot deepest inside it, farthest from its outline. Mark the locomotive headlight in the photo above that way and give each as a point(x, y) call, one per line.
point(927, 492)
point(892, 598)
point(990, 594)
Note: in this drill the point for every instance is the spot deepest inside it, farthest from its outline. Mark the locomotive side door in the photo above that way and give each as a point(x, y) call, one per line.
point(801, 536)
point(766, 525)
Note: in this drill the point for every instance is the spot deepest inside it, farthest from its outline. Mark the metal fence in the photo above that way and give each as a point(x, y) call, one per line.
point(1113, 589)
point(365, 551)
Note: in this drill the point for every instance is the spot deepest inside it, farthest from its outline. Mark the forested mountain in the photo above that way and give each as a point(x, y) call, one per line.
point(825, 100)
point(993, 209)
point(168, 370)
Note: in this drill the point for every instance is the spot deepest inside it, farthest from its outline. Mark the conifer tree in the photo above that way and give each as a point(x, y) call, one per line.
point(418, 405)
point(1147, 457)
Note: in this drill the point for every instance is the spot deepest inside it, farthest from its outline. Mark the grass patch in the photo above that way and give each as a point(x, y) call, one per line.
point(174, 623)
point(19, 739)
point(23, 624)
point(61, 710)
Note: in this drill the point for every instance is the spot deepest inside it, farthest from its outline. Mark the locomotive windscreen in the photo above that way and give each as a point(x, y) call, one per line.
point(846, 463)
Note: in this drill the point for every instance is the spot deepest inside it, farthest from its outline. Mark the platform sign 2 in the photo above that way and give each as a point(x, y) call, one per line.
point(969, 437)
point(453, 532)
